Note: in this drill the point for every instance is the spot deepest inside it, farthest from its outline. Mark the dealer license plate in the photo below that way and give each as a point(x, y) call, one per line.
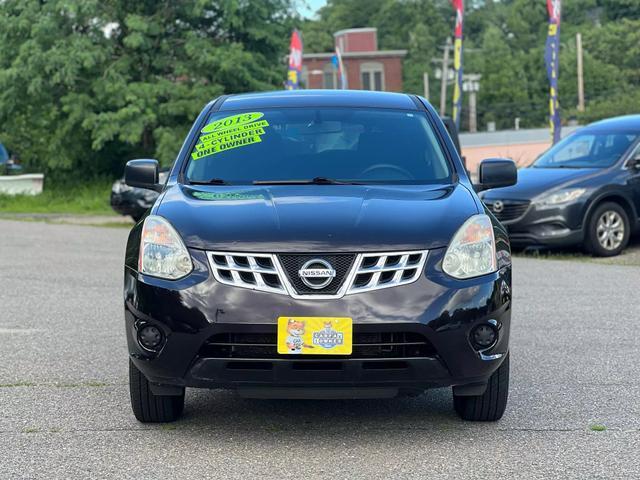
point(315, 335)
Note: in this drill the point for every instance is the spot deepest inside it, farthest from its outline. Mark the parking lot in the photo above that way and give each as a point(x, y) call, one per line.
point(574, 408)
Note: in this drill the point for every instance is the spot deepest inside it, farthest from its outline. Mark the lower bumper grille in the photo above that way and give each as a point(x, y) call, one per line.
point(365, 345)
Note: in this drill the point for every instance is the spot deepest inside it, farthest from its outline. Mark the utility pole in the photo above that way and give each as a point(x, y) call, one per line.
point(580, 73)
point(473, 122)
point(445, 77)
point(471, 85)
point(425, 80)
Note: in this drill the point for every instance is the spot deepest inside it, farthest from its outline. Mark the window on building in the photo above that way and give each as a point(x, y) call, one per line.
point(372, 76)
point(329, 76)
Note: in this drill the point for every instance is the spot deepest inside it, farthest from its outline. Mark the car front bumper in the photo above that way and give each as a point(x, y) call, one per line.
point(559, 226)
point(193, 310)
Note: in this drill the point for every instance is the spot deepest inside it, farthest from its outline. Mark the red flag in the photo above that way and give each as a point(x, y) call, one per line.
point(458, 5)
point(553, 7)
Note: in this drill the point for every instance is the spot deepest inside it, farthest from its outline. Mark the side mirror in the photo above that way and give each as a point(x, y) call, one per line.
point(496, 173)
point(142, 173)
point(635, 162)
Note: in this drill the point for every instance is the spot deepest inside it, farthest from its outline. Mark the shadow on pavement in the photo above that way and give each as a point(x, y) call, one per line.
point(224, 410)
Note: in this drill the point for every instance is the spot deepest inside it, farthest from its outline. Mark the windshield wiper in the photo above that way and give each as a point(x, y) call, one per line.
point(313, 181)
point(213, 181)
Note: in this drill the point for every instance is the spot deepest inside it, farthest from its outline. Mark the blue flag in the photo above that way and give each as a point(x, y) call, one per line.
point(552, 57)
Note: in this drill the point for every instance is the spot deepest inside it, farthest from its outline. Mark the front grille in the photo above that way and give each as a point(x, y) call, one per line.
point(376, 271)
point(508, 210)
point(254, 271)
point(293, 263)
point(365, 345)
point(354, 273)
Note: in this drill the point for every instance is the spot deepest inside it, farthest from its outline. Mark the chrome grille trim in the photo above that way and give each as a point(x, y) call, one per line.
point(372, 267)
point(379, 268)
point(254, 270)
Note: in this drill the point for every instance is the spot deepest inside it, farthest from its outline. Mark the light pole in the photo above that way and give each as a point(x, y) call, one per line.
point(580, 73)
point(445, 76)
point(471, 85)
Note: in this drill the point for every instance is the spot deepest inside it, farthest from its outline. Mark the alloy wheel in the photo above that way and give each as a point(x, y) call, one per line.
point(610, 230)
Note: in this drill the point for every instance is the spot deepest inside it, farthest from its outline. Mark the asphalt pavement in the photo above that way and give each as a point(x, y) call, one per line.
point(64, 406)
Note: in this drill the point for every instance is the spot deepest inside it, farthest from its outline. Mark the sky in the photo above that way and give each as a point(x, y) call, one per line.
point(307, 8)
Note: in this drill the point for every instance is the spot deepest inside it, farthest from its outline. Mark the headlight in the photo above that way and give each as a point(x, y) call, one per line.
point(560, 197)
point(162, 253)
point(472, 251)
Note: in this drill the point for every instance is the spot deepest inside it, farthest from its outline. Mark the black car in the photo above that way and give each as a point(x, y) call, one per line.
point(318, 244)
point(132, 201)
point(585, 190)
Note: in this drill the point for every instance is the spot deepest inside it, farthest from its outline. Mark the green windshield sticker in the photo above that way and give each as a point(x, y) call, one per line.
point(229, 138)
point(232, 121)
point(227, 196)
point(230, 132)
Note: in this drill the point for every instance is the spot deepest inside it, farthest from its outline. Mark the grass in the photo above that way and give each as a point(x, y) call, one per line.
point(554, 255)
point(91, 384)
point(597, 427)
point(88, 384)
point(110, 224)
point(17, 384)
point(629, 257)
point(86, 198)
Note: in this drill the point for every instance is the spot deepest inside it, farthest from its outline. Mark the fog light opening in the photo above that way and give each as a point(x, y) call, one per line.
point(484, 336)
point(150, 337)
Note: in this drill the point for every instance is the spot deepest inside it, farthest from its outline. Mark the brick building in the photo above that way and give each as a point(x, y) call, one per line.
point(367, 68)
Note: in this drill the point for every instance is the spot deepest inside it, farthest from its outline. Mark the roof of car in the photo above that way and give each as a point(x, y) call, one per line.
point(627, 122)
point(319, 98)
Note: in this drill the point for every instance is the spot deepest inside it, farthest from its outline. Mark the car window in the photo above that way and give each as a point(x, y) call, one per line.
point(363, 145)
point(577, 149)
point(587, 150)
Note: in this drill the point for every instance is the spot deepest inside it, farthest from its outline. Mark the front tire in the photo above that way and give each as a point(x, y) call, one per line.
point(608, 230)
point(489, 406)
point(150, 408)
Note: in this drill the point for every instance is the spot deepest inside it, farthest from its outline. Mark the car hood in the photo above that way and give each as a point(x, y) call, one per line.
point(535, 181)
point(319, 218)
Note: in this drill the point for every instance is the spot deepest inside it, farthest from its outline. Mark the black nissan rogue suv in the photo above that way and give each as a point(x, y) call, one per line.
point(318, 244)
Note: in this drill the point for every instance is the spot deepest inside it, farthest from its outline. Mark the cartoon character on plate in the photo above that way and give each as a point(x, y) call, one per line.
point(295, 332)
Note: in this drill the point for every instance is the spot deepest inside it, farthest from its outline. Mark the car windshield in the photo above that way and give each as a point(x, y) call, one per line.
point(350, 145)
point(587, 150)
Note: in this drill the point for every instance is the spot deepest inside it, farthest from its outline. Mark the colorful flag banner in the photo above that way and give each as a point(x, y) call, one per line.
point(458, 5)
point(337, 63)
point(551, 57)
point(295, 62)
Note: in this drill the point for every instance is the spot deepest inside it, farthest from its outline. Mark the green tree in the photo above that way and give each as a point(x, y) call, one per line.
point(504, 41)
point(87, 84)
